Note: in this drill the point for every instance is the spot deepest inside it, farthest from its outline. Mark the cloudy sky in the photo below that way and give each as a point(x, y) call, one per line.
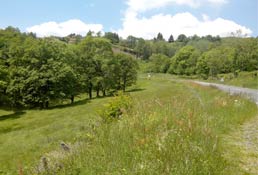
point(140, 18)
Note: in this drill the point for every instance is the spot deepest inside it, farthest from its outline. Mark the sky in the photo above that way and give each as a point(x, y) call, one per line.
point(140, 18)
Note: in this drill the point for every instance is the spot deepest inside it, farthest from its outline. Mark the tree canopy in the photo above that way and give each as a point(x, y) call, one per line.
point(37, 71)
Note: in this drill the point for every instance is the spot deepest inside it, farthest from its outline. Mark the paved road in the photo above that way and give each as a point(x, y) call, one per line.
point(250, 93)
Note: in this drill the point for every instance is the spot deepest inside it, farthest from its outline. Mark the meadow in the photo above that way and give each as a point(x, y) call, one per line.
point(171, 127)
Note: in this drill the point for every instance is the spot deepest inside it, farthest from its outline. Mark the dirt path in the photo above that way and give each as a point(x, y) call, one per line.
point(243, 146)
point(242, 143)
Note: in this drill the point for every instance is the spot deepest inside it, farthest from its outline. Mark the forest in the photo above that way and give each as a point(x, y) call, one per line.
point(36, 71)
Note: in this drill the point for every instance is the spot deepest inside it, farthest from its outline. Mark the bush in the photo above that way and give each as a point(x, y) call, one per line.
point(115, 108)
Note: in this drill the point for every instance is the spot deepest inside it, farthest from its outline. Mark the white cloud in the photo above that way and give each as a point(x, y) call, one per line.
point(64, 28)
point(205, 17)
point(180, 23)
point(144, 5)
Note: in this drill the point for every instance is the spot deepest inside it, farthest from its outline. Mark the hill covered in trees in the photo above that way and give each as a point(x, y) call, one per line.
point(202, 56)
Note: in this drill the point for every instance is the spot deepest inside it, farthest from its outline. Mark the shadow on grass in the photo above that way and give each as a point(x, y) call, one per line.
point(76, 103)
point(135, 90)
point(15, 115)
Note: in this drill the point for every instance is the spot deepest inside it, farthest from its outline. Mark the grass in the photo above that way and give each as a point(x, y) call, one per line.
point(244, 79)
point(243, 146)
point(172, 128)
point(26, 136)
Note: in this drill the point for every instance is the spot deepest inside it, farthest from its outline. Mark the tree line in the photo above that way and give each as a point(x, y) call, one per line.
point(37, 71)
point(205, 56)
point(208, 58)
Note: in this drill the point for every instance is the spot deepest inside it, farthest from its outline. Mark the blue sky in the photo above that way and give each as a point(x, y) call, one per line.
point(142, 18)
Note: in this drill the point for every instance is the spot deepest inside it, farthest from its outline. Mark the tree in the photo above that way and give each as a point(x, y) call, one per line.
point(202, 44)
point(146, 51)
point(182, 38)
point(143, 49)
point(160, 47)
point(215, 61)
point(202, 68)
point(131, 41)
point(94, 54)
point(195, 38)
point(160, 37)
point(184, 62)
point(159, 63)
point(38, 72)
point(126, 73)
point(113, 37)
point(247, 55)
point(212, 39)
point(171, 39)
point(4, 81)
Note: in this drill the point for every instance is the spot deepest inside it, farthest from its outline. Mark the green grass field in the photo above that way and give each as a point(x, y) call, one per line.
point(172, 128)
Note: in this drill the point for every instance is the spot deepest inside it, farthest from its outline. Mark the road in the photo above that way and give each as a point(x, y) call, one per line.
point(249, 93)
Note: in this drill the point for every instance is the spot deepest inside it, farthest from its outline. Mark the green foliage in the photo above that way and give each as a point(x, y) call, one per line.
point(40, 74)
point(184, 62)
point(113, 37)
point(159, 63)
point(182, 38)
point(246, 55)
point(160, 37)
point(143, 49)
point(171, 39)
point(201, 56)
point(160, 47)
point(125, 71)
point(217, 60)
point(96, 54)
point(35, 72)
point(116, 107)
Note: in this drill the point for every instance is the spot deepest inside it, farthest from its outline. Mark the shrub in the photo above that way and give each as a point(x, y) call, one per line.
point(116, 107)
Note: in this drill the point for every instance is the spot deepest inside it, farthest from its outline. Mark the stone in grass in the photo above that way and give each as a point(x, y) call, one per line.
point(64, 146)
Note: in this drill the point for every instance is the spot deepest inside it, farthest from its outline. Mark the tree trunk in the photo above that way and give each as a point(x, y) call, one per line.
point(104, 92)
point(98, 89)
point(124, 84)
point(90, 90)
point(97, 92)
point(41, 105)
point(46, 104)
point(72, 99)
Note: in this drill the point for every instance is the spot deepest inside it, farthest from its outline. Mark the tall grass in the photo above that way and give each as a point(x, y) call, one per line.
point(172, 128)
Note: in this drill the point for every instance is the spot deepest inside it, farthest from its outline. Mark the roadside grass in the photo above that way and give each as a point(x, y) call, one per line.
point(244, 79)
point(243, 146)
point(172, 128)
